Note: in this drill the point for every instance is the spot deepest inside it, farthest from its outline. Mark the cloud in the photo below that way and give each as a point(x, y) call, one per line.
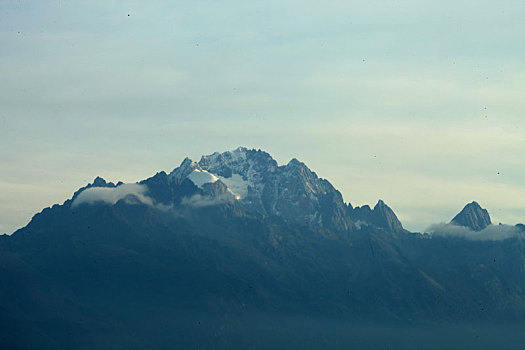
point(111, 195)
point(491, 233)
point(358, 224)
point(200, 201)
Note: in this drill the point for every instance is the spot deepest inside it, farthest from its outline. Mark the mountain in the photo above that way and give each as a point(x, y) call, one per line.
point(236, 251)
point(381, 216)
point(472, 216)
point(292, 191)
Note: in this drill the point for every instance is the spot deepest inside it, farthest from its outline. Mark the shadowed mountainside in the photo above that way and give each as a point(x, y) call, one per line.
point(181, 259)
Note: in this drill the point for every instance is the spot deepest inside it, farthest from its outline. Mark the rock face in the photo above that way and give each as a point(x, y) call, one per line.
point(380, 216)
point(181, 260)
point(292, 191)
point(472, 216)
point(383, 216)
point(254, 182)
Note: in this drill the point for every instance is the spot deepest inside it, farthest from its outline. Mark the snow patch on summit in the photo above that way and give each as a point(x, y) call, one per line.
point(235, 183)
point(201, 177)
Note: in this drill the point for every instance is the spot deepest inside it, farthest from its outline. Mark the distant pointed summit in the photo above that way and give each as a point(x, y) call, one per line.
point(99, 182)
point(381, 216)
point(472, 216)
point(384, 216)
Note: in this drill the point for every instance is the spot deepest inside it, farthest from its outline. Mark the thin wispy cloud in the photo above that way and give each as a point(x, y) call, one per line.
point(490, 233)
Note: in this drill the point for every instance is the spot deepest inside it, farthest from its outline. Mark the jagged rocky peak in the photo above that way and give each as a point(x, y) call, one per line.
point(291, 191)
point(219, 190)
point(381, 216)
point(472, 216)
point(384, 216)
point(186, 167)
point(298, 172)
point(250, 164)
point(296, 164)
point(99, 182)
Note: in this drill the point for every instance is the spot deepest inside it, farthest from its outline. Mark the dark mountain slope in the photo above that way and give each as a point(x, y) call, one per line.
point(472, 216)
point(179, 260)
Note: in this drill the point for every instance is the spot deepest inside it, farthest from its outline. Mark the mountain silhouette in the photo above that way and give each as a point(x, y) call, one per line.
point(218, 252)
point(472, 216)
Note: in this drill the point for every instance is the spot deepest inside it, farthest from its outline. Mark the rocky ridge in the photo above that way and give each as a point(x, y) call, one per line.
point(472, 216)
point(290, 191)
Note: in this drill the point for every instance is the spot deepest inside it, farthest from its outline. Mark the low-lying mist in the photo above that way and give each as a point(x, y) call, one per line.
point(490, 233)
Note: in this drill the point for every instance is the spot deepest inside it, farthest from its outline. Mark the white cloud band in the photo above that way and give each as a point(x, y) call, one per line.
point(111, 195)
point(490, 233)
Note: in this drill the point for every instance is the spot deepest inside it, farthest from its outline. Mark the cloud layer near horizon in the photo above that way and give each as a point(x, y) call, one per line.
point(490, 233)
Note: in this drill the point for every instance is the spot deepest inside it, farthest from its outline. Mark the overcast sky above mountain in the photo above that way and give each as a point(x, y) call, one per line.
point(419, 103)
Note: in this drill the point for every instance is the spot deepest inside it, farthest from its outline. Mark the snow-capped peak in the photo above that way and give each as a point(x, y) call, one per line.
point(225, 163)
point(292, 191)
point(212, 168)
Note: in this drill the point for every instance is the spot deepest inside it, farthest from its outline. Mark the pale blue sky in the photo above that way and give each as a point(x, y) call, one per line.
point(419, 103)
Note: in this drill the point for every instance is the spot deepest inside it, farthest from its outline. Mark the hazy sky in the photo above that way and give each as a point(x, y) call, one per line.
point(420, 103)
